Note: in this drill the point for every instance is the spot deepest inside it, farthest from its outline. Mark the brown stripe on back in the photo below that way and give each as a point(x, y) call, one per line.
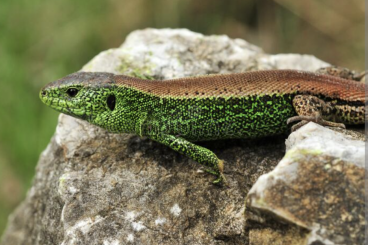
point(250, 83)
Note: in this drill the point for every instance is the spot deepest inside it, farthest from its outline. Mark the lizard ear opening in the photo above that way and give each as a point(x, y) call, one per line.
point(111, 100)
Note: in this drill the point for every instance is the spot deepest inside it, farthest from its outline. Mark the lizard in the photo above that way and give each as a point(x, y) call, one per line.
point(179, 112)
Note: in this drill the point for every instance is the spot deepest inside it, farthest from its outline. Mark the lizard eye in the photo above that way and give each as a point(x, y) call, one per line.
point(111, 102)
point(72, 92)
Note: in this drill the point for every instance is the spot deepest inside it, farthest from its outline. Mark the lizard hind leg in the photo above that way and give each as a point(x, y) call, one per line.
point(311, 109)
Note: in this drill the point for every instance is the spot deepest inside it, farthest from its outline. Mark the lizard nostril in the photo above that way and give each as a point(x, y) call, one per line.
point(44, 93)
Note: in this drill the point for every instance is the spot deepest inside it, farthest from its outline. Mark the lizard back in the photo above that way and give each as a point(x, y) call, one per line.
point(251, 83)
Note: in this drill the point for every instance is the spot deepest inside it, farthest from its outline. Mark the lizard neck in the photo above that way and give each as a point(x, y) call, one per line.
point(131, 108)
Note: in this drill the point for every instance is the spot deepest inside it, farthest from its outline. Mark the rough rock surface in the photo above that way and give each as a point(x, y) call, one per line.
point(92, 187)
point(318, 186)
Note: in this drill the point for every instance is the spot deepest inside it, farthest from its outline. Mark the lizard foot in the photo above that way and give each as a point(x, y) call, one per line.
point(221, 180)
point(305, 119)
point(219, 173)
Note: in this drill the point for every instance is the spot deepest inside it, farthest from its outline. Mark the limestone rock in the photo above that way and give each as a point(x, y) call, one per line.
point(93, 187)
point(318, 186)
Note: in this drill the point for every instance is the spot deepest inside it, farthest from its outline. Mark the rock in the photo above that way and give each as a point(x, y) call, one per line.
point(267, 236)
point(93, 187)
point(318, 186)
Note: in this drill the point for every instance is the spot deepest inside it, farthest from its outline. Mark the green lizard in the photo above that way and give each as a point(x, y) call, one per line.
point(181, 111)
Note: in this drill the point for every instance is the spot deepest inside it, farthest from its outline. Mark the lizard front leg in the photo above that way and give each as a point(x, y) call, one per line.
point(311, 109)
point(197, 153)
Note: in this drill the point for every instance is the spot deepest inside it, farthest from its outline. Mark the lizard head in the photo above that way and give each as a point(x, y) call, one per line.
point(85, 95)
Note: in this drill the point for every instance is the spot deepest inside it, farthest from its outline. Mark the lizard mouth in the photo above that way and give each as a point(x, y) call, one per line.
point(62, 105)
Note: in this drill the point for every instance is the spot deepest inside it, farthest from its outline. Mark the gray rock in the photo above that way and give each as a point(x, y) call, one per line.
point(318, 186)
point(93, 187)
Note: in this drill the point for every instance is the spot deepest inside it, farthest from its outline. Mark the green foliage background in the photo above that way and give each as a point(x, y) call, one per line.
point(41, 41)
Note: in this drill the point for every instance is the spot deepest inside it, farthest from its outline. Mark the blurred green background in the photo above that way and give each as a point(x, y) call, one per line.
point(41, 41)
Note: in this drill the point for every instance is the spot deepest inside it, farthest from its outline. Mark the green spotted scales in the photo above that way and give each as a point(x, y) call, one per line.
point(179, 112)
